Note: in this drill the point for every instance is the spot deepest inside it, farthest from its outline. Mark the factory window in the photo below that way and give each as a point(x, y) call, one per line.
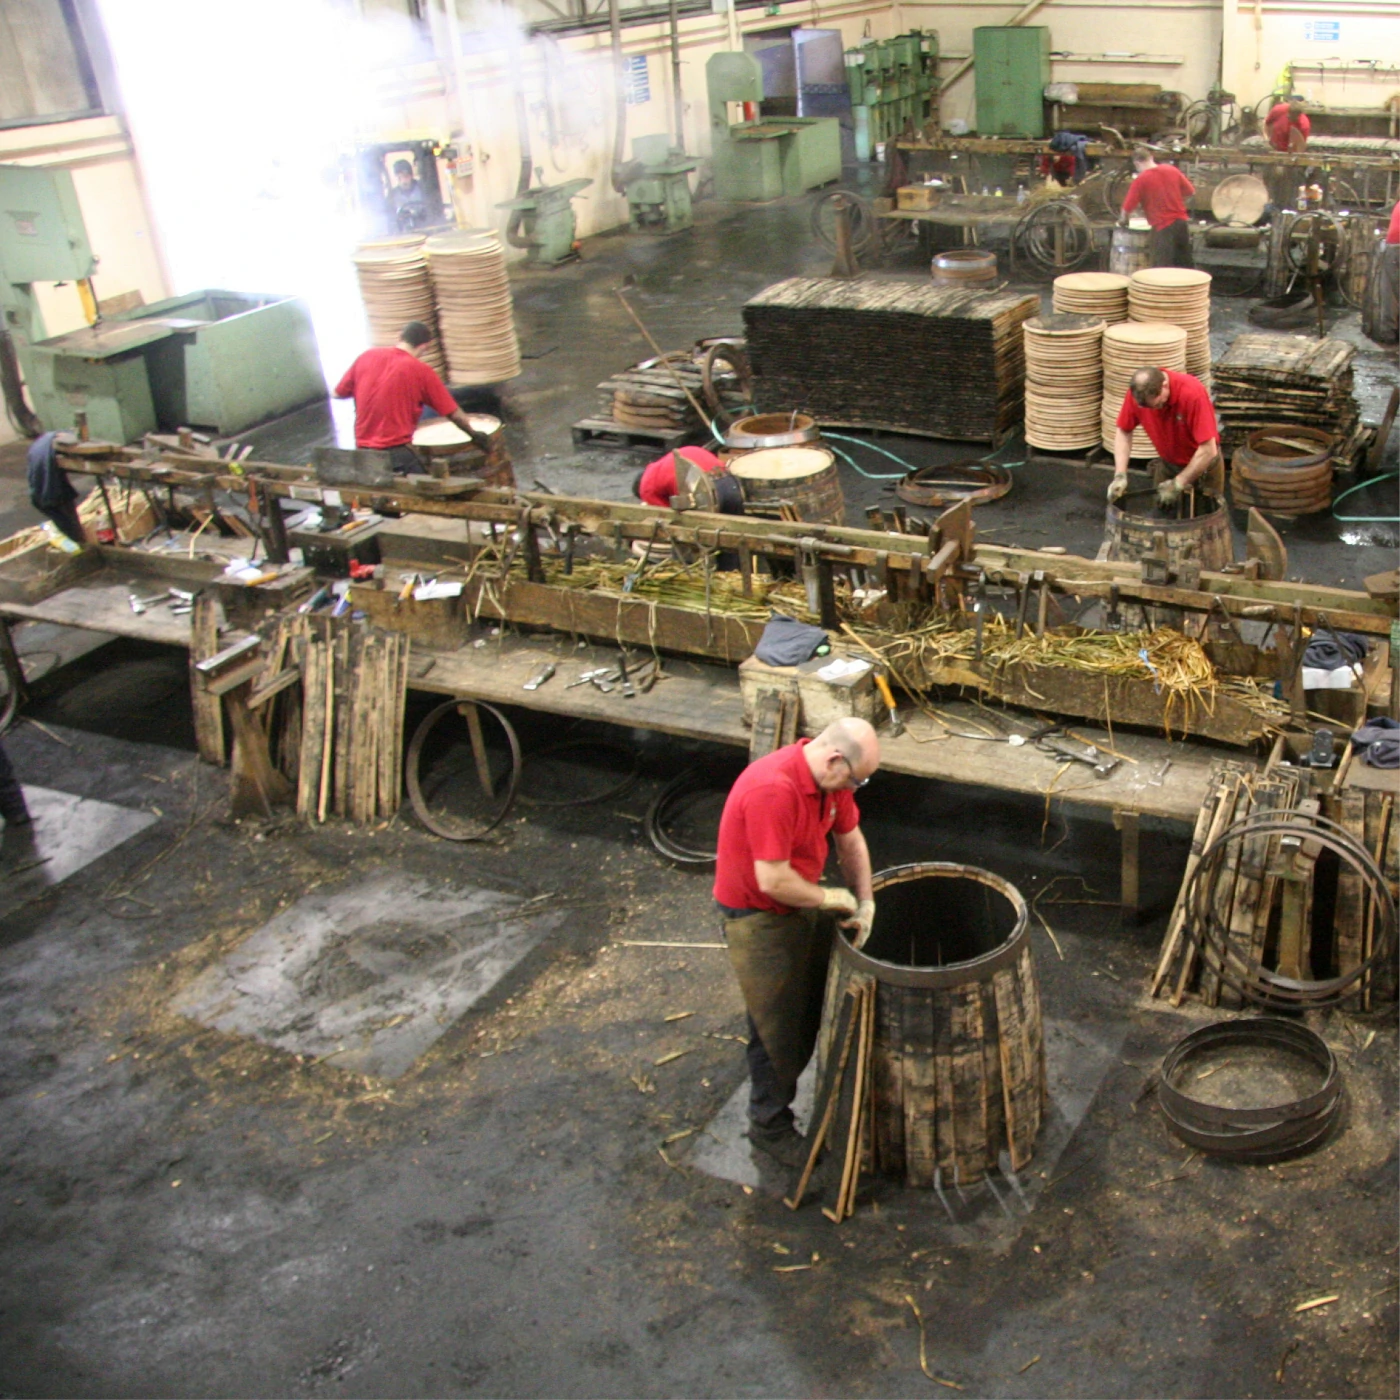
point(45, 71)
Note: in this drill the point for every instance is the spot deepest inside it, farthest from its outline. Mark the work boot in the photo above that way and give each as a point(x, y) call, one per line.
point(782, 1142)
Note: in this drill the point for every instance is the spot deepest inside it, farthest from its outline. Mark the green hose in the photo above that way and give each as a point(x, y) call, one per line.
point(1365, 519)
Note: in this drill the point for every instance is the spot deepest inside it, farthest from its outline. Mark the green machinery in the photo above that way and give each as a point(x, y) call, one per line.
point(893, 82)
point(658, 186)
point(1011, 66)
point(757, 160)
point(213, 359)
point(542, 220)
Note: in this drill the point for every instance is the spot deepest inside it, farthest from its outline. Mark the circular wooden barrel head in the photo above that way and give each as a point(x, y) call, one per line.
point(1239, 199)
point(782, 463)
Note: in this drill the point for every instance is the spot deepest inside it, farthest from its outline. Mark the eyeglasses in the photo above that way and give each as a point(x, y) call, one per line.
point(856, 783)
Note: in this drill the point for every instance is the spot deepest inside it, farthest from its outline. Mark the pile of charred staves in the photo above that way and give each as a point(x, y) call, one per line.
point(1285, 903)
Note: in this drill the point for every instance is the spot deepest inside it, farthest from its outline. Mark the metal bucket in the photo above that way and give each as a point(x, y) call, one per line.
point(1129, 251)
point(804, 477)
point(958, 1059)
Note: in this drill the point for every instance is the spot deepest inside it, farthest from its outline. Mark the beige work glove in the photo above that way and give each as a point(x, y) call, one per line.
point(839, 900)
point(1168, 493)
point(1117, 488)
point(861, 924)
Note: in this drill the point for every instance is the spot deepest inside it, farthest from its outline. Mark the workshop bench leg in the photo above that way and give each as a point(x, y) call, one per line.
point(1129, 897)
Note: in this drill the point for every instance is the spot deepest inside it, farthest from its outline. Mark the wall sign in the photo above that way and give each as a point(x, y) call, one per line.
point(638, 80)
point(1322, 31)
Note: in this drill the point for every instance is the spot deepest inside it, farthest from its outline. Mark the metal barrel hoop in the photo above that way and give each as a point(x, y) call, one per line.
point(1258, 984)
point(414, 758)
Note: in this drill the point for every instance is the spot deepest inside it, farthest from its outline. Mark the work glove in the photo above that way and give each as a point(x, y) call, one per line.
point(1117, 488)
point(1168, 493)
point(839, 900)
point(860, 925)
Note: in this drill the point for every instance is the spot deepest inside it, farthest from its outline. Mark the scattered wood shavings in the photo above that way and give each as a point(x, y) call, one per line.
point(679, 1016)
point(923, 1347)
point(643, 1082)
point(674, 1055)
point(1028, 1366)
point(676, 1137)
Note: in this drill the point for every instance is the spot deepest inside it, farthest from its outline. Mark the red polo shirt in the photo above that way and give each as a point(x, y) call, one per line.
point(1182, 426)
point(776, 811)
point(658, 483)
point(1393, 232)
point(1276, 124)
point(390, 388)
point(1162, 190)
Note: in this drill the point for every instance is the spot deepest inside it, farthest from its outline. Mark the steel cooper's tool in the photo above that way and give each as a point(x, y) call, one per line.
point(628, 691)
point(896, 724)
point(540, 677)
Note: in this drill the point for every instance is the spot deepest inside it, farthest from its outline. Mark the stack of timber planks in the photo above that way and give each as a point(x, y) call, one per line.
point(646, 400)
point(1267, 380)
point(354, 679)
point(899, 355)
point(1370, 817)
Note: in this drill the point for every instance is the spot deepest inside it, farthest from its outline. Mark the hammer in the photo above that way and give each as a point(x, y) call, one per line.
point(896, 724)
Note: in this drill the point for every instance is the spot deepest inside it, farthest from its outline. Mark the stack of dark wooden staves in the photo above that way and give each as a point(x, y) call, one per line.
point(354, 679)
point(648, 399)
point(1267, 381)
point(897, 355)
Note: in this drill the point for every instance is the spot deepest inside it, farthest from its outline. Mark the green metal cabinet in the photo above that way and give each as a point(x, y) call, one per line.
point(1011, 66)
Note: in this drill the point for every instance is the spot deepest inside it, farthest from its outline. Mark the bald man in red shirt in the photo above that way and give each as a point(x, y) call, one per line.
point(1174, 410)
point(779, 922)
point(1162, 190)
point(1287, 126)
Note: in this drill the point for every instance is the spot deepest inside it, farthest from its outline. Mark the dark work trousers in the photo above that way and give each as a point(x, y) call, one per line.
point(781, 962)
point(405, 461)
point(12, 804)
point(1171, 246)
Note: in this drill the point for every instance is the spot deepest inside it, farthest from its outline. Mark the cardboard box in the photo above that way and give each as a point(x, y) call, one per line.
point(822, 700)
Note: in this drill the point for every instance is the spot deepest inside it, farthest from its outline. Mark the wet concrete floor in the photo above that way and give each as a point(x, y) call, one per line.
point(544, 1201)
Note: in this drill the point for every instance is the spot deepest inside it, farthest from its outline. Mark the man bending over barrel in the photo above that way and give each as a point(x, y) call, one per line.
point(1174, 410)
point(778, 921)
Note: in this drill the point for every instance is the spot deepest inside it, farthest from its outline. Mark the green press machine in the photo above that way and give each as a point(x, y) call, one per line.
point(215, 360)
point(759, 160)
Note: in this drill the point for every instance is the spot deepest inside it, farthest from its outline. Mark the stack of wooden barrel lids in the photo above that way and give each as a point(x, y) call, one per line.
point(1130, 346)
point(650, 397)
point(1064, 381)
point(474, 306)
point(1101, 294)
point(1180, 296)
point(1274, 381)
point(869, 353)
point(395, 289)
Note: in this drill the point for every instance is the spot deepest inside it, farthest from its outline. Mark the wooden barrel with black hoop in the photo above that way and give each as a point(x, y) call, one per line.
point(804, 478)
point(447, 451)
point(958, 1068)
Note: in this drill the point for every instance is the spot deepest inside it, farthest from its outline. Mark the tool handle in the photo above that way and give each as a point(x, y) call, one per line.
point(885, 692)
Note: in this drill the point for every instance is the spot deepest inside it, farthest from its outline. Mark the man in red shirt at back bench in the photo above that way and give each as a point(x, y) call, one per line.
point(1287, 126)
point(391, 386)
point(1162, 190)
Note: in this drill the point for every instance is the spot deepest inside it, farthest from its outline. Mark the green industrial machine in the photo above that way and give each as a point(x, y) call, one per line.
point(759, 160)
point(658, 186)
point(893, 83)
point(213, 359)
point(1011, 66)
point(543, 222)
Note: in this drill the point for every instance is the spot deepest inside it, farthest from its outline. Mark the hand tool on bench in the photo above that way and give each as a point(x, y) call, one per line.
point(896, 724)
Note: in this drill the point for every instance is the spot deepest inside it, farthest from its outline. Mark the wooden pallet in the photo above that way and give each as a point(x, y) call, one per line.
point(604, 432)
point(1091, 457)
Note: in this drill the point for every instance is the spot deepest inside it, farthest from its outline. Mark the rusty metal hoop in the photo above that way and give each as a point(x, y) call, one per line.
point(732, 353)
point(414, 760)
point(1258, 984)
point(972, 480)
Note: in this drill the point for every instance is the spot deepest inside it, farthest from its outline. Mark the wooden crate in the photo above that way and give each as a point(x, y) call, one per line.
point(918, 197)
point(822, 701)
point(438, 622)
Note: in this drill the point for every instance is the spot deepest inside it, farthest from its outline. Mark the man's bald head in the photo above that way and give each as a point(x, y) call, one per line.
point(844, 754)
point(1295, 109)
point(1149, 387)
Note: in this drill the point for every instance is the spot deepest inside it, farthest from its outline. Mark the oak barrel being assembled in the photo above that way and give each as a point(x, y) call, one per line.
point(1204, 540)
point(447, 451)
point(958, 1059)
point(804, 477)
point(1128, 251)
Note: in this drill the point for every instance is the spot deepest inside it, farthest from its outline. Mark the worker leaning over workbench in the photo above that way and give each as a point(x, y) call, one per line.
point(1162, 190)
point(656, 483)
point(779, 922)
point(391, 387)
point(1287, 126)
point(1174, 410)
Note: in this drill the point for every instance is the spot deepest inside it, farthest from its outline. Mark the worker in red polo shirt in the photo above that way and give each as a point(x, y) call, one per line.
point(1287, 126)
point(779, 922)
point(1162, 190)
point(656, 483)
point(1392, 234)
point(1175, 411)
point(391, 386)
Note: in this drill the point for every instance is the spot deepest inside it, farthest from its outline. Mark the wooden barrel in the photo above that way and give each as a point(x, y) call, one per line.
point(771, 430)
point(963, 267)
point(804, 477)
point(1204, 540)
point(1285, 471)
point(958, 1066)
point(447, 451)
point(1128, 253)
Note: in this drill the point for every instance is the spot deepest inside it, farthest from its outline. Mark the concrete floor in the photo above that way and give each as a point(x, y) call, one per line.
point(223, 1206)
